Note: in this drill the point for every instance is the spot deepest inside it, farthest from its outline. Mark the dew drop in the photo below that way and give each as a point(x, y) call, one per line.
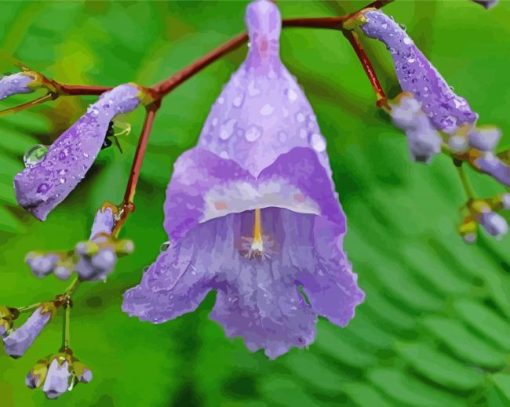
point(227, 129)
point(63, 154)
point(221, 100)
point(253, 133)
point(318, 142)
point(35, 155)
point(224, 155)
point(252, 90)
point(42, 188)
point(291, 94)
point(266, 110)
point(165, 246)
point(300, 117)
point(238, 100)
point(282, 136)
point(62, 180)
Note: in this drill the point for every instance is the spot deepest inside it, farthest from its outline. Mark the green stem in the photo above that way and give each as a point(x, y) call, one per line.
point(66, 340)
point(72, 287)
point(466, 184)
point(28, 307)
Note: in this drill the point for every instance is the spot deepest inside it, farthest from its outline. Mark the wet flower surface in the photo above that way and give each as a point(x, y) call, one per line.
point(15, 84)
point(252, 213)
point(446, 110)
point(42, 186)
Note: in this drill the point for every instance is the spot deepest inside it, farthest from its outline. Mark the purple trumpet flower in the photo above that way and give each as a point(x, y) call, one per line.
point(19, 340)
point(446, 110)
point(58, 379)
point(41, 187)
point(21, 82)
point(251, 212)
point(492, 165)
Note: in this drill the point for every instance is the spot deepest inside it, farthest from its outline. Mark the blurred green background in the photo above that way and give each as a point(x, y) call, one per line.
point(435, 328)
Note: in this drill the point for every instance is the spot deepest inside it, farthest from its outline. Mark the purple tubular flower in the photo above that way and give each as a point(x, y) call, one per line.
point(41, 187)
point(57, 380)
point(18, 341)
point(15, 84)
point(416, 75)
point(492, 165)
point(494, 224)
point(252, 213)
point(484, 139)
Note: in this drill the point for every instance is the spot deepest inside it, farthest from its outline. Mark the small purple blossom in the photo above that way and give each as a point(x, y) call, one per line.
point(19, 340)
point(446, 110)
point(58, 374)
point(41, 187)
point(424, 141)
point(16, 83)
point(494, 224)
point(58, 379)
point(251, 213)
point(484, 138)
point(494, 166)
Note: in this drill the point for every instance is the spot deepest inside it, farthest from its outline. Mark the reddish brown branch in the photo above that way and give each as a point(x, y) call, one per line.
point(367, 66)
point(75, 90)
point(129, 195)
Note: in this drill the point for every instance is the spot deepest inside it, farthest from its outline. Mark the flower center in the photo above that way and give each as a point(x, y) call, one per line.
point(259, 246)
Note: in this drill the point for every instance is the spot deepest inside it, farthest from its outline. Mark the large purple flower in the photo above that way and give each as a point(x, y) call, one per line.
point(41, 187)
point(252, 213)
point(446, 110)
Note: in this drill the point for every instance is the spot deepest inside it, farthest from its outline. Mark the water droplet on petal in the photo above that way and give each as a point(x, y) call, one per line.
point(165, 246)
point(63, 154)
point(62, 180)
point(282, 136)
point(224, 155)
point(42, 188)
point(266, 110)
point(253, 133)
point(300, 117)
point(318, 142)
point(35, 155)
point(291, 94)
point(227, 129)
point(221, 100)
point(238, 100)
point(252, 90)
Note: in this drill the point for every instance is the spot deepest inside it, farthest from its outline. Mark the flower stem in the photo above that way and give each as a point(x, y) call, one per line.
point(27, 105)
point(66, 331)
point(72, 287)
point(129, 195)
point(356, 44)
point(76, 90)
point(28, 307)
point(466, 184)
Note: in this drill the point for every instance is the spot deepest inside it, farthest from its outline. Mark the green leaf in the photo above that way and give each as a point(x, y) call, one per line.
point(439, 367)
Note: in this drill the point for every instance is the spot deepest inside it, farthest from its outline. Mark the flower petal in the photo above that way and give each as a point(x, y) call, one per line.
point(262, 112)
point(41, 187)
point(417, 75)
point(57, 379)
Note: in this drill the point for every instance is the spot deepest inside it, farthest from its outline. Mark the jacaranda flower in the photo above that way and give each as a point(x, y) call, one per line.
point(251, 212)
point(423, 139)
point(58, 374)
point(22, 82)
point(42, 186)
point(446, 110)
point(20, 339)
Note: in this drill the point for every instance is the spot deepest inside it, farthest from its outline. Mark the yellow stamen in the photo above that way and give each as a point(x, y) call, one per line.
point(257, 228)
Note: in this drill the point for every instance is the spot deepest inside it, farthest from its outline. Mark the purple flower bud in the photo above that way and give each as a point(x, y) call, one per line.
point(35, 378)
point(98, 266)
point(424, 141)
point(494, 224)
point(41, 187)
point(505, 201)
point(416, 75)
point(41, 264)
point(487, 3)
point(458, 144)
point(103, 222)
point(18, 341)
point(62, 272)
point(484, 139)
point(58, 379)
point(14, 84)
point(82, 372)
point(492, 165)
